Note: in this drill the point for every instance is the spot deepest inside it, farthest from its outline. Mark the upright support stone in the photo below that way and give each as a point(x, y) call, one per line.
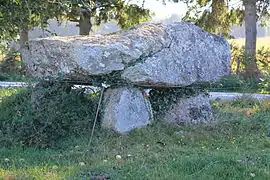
point(125, 109)
point(191, 110)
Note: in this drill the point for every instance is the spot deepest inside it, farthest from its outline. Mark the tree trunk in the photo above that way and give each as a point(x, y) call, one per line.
point(85, 24)
point(23, 37)
point(10, 65)
point(23, 43)
point(251, 35)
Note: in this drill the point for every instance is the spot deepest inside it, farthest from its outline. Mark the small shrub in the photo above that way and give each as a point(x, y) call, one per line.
point(235, 83)
point(245, 102)
point(239, 60)
point(264, 84)
point(62, 111)
point(12, 65)
point(14, 77)
point(229, 83)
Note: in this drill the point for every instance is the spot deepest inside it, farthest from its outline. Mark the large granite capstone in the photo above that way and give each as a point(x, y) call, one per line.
point(176, 54)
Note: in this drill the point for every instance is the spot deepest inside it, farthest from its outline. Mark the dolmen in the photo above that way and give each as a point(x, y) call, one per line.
point(150, 55)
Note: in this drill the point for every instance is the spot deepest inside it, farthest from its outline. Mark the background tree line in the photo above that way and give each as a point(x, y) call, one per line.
point(17, 17)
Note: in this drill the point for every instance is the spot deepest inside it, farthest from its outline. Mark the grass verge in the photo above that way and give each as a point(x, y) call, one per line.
point(235, 146)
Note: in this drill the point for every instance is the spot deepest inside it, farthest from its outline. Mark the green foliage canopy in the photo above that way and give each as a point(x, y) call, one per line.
point(105, 10)
point(16, 15)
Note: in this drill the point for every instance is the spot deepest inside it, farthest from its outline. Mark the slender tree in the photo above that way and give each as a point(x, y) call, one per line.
point(220, 17)
point(251, 36)
point(255, 10)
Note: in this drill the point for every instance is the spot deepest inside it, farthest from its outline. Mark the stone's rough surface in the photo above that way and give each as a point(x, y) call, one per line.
point(125, 109)
point(193, 110)
point(193, 55)
point(176, 54)
point(93, 55)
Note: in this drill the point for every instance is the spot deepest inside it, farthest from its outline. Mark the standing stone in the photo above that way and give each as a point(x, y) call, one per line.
point(125, 109)
point(191, 110)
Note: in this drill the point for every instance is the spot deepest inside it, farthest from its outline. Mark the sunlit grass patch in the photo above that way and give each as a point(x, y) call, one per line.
point(45, 173)
point(6, 92)
point(242, 104)
point(33, 164)
point(34, 173)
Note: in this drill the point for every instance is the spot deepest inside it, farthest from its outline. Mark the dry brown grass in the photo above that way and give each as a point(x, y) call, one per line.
point(261, 42)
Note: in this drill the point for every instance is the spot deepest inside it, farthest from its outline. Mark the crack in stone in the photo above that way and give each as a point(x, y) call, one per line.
point(144, 57)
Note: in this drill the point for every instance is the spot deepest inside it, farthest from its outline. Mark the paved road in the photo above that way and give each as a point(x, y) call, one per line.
point(232, 96)
point(213, 95)
point(12, 84)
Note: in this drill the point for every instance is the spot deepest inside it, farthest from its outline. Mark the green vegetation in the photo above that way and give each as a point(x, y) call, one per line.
point(239, 61)
point(236, 83)
point(14, 78)
point(40, 116)
point(235, 146)
point(19, 16)
point(162, 99)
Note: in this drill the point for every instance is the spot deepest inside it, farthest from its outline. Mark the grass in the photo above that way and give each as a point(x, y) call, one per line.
point(235, 146)
point(6, 92)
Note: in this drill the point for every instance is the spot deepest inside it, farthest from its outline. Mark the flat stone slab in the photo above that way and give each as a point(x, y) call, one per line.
point(167, 55)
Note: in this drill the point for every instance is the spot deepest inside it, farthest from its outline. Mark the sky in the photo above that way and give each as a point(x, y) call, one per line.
point(163, 11)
